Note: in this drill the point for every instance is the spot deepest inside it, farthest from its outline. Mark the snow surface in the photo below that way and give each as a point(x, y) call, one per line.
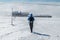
point(44, 29)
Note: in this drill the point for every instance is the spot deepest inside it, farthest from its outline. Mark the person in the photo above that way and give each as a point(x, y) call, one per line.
point(31, 21)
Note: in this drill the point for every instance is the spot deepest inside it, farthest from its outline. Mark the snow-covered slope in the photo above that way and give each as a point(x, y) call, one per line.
point(44, 29)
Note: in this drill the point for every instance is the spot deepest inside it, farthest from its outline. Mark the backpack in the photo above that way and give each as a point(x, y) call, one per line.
point(31, 18)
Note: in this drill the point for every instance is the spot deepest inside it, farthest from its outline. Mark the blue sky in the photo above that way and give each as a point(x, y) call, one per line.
point(29, 0)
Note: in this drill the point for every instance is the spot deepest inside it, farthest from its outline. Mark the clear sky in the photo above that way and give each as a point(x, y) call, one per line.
point(29, 0)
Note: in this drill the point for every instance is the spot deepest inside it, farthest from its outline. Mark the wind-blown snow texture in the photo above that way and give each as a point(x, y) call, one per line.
point(44, 29)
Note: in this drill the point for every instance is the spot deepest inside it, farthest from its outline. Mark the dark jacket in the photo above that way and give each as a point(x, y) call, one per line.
point(31, 18)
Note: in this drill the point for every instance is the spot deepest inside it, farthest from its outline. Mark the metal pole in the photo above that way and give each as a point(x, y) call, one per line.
point(12, 18)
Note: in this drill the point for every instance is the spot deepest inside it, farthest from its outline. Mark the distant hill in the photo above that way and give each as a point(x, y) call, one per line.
point(20, 13)
point(25, 14)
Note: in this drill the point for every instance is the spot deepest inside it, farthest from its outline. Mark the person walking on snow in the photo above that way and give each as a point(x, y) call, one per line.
point(31, 21)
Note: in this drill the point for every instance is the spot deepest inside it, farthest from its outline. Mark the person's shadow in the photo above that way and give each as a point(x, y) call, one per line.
point(41, 34)
point(12, 24)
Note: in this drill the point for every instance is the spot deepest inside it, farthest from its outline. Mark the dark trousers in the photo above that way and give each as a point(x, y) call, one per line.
point(31, 26)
